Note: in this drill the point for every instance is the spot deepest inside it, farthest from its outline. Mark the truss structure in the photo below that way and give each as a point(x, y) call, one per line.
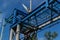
point(38, 19)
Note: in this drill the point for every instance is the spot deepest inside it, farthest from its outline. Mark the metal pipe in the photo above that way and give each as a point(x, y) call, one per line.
point(18, 32)
point(46, 3)
point(30, 5)
point(2, 33)
point(11, 34)
point(3, 24)
point(54, 19)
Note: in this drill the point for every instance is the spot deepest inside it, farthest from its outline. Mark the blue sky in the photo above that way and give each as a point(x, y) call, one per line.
point(7, 6)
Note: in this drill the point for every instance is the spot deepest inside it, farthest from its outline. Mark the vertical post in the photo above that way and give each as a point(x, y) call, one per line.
point(14, 18)
point(30, 5)
point(18, 32)
point(11, 34)
point(27, 36)
point(3, 24)
point(34, 36)
point(2, 33)
point(47, 3)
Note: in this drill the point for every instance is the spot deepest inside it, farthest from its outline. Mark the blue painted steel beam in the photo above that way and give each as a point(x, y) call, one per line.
point(38, 9)
point(28, 15)
point(19, 12)
point(15, 14)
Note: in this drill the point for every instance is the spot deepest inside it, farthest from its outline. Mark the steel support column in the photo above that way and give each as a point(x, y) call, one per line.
point(11, 34)
point(18, 32)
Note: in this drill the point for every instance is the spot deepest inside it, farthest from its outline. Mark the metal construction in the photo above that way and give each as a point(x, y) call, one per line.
point(29, 23)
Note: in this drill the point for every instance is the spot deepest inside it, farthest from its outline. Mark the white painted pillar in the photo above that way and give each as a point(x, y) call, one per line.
point(2, 33)
point(11, 34)
point(18, 32)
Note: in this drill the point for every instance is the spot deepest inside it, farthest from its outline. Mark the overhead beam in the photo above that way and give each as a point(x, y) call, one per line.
point(32, 13)
point(46, 23)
